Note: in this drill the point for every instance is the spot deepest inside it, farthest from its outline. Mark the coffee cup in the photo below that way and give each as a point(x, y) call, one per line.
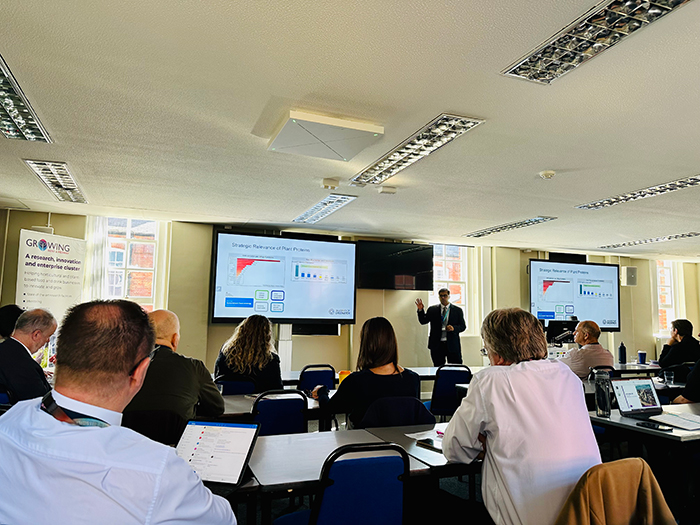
point(641, 357)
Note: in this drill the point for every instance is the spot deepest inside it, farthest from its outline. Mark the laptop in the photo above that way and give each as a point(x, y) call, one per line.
point(218, 452)
point(637, 399)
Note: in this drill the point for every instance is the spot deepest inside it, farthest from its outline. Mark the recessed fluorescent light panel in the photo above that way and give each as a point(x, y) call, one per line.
point(509, 226)
point(652, 191)
point(443, 129)
point(58, 180)
point(649, 241)
point(605, 25)
point(324, 208)
point(17, 118)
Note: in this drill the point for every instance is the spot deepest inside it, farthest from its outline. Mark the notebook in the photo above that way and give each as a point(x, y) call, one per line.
point(218, 452)
point(637, 398)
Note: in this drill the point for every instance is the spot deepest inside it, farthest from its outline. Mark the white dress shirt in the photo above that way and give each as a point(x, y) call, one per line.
point(539, 439)
point(55, 472)
point(580, 360)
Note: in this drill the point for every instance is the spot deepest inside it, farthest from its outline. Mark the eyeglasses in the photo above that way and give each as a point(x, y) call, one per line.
point(483, 352)
point(150, 357)
point(444, 295)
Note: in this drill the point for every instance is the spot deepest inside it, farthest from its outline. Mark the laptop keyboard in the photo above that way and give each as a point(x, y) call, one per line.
point(684, 421)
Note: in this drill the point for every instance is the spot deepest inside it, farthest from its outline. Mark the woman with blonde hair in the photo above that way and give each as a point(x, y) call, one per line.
point(248, 356)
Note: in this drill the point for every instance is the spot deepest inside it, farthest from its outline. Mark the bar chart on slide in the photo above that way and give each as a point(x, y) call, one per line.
point(247, 270)
point(316, 270)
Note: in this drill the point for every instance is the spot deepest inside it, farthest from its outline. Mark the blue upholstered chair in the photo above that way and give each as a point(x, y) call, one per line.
point(313, 375)
point(281, 412)
point(444, 400)
point(366, 490)
point(232, 388)
point(395, 412)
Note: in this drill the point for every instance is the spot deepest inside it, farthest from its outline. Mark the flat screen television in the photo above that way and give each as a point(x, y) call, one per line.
point(589, 291)
point(287, 280)
point(394, 266)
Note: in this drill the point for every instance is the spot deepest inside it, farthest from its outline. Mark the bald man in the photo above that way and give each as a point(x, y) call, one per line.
point(174, 382)
point(590, 352)
point(20, 376)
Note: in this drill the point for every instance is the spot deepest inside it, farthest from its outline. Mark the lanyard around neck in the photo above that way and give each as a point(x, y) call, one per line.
point(49, 405)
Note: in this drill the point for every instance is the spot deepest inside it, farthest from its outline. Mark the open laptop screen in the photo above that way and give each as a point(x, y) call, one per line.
point(636, 397)
point(218, 451)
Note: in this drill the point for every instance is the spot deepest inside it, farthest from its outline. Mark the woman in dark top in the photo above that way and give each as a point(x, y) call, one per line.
point(248, 356)
point(378, 374)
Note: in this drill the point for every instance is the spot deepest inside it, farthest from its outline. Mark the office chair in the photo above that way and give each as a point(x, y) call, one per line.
point(444, 400)
point(232, 388)
point(313, 375)
point(162, 426)
point(616, 493)
point(366, 490)
point(281, 412)
point(680, 371)
point(396, 411)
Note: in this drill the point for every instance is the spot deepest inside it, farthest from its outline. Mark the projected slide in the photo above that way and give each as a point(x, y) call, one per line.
point(283, 279)
point(588, 291)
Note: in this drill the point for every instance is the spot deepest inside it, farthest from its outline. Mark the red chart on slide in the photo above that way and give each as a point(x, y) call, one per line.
point(243, 263)
point(556, 290)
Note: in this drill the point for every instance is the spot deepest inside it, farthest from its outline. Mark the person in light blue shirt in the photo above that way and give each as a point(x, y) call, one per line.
point(65, 457)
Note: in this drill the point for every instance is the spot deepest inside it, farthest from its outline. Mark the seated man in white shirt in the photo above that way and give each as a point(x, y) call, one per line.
point(65, 457)
point(527, 417)
point(590, 352)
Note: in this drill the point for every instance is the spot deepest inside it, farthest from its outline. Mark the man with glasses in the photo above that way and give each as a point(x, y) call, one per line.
point(70, 447)
point(589, 353)
point(20, 375)
point(527, 416)
point(446, 322)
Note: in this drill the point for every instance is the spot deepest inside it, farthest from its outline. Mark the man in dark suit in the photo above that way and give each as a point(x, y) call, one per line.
point(446, 322)
point(20, 375)
point(174, 382)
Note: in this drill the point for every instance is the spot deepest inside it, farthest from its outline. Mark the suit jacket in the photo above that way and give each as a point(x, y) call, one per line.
point(455, 317)
point(620, 492)
point(20, 375)
point(180, 384)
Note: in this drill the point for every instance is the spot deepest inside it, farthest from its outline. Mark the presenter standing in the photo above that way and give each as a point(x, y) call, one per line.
point(446, 322)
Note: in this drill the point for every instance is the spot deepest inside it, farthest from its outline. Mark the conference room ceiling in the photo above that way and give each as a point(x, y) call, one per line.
point(165, 109)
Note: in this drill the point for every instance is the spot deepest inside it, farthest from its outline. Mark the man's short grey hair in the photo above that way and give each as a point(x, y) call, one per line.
point(37, 319)
point(515, 335)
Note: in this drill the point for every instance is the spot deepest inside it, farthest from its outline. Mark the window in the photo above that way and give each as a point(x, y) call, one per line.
point(450, 271)
point(665, 295)
point(131, 260)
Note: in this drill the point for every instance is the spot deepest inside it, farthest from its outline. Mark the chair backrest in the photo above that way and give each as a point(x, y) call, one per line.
point(4, 398)
point(4, 408)
point(445, 400)
point(313, 375)
point(281, 412)
point(162, 426)
point(367, 490)
point(396, 411)
point(233, 388)
point(622, 491)
point(611, 370)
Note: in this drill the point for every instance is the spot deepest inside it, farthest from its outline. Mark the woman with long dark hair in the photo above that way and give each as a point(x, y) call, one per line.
point(378, 374)
point(248, 356)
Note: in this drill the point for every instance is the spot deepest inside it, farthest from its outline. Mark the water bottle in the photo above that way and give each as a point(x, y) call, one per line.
point(602, 393)
point(622, 353)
